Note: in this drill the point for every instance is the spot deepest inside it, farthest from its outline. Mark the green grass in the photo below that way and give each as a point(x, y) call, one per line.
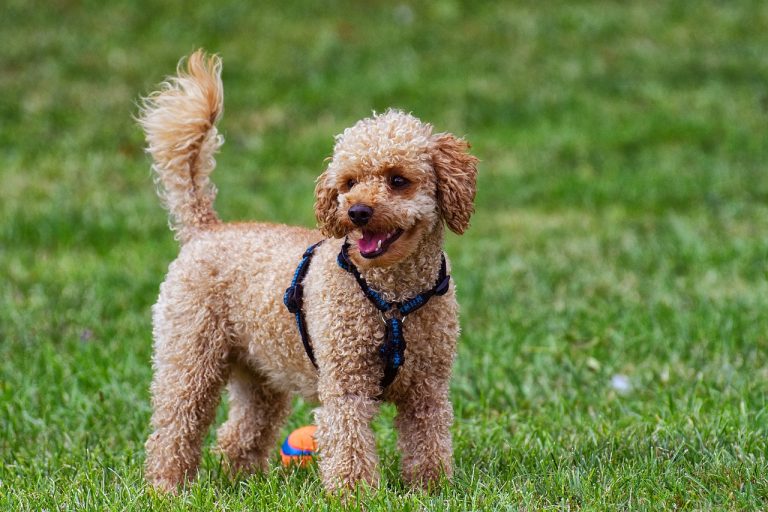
point(621, 229)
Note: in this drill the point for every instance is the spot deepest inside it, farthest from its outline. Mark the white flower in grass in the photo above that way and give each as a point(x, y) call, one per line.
point(621, 384)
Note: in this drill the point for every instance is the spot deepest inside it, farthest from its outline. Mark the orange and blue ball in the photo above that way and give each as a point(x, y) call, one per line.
point(300, 447)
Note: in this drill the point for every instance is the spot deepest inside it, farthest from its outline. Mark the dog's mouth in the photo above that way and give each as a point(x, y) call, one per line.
point(372, 245)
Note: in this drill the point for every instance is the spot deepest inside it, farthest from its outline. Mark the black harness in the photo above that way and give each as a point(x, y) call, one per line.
point(393, 313)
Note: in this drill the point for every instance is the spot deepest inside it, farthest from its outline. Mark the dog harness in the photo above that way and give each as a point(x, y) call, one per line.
point(393, 314)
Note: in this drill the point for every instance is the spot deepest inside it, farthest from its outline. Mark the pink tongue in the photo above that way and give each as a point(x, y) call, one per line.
point(368, 243)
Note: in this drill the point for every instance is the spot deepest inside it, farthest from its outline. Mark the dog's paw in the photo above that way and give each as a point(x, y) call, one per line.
point(244, 465)
point(428, 479)
point(165, 486)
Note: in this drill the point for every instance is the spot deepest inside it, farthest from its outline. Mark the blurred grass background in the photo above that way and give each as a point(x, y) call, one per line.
point(613, 285)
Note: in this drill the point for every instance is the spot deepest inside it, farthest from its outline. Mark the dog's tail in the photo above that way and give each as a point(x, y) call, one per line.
point(180, 125)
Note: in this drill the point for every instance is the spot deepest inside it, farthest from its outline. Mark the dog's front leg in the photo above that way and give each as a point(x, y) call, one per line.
point(346, 442)
point(424, 419)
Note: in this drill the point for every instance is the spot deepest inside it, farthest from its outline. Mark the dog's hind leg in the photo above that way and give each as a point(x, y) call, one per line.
point(191, 367)
point(256, 413)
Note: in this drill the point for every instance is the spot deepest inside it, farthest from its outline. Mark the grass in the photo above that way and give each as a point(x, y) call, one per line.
point(621, 230)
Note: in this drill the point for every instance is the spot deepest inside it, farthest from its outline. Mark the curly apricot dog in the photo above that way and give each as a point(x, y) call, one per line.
point(220, 320)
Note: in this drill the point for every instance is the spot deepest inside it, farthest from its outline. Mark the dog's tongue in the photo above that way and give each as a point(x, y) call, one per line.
point(367, 244)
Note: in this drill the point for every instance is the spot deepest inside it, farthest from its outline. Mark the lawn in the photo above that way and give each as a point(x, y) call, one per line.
point(614, 283)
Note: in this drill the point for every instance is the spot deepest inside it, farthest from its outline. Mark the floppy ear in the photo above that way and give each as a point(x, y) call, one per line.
point(326, 202)
point(456, 173)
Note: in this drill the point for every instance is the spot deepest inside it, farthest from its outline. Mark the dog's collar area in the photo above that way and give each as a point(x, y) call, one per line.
point(405, 307)
point(393, 313)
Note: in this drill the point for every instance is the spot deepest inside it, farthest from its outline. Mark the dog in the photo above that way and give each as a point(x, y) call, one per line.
point(382, 204)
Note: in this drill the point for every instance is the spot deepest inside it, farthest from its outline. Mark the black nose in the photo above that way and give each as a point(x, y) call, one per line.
point(360, 214)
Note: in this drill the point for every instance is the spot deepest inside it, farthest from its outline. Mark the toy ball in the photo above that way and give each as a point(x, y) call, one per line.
point(299, 447)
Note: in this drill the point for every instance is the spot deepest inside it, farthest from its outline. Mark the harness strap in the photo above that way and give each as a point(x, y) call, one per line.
point(294, 299)
point(393, 349)
point(406, 307)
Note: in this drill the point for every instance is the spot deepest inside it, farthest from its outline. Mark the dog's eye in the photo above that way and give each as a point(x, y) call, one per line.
point(350, 183)
point(398, 182)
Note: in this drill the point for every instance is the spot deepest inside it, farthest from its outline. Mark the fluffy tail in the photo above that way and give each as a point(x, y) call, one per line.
point(180, 125)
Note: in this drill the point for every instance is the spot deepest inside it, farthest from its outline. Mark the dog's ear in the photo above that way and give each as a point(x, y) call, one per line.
point(326, 203)
point(456, 172)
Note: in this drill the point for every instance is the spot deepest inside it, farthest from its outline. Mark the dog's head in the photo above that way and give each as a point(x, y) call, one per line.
point(390, 182)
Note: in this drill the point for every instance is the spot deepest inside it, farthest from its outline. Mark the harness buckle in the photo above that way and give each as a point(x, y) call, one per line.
point(293, 298)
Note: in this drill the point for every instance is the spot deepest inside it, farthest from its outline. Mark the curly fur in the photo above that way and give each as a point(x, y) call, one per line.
point(219, 319)
point(180, 124)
